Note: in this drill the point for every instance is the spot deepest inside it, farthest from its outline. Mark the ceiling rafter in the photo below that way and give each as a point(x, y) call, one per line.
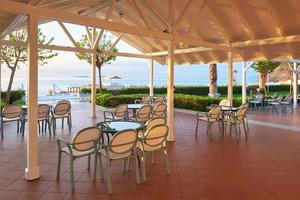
point(182, 15)
point(67, 33)
point(194, 23)
point(249, 28)
point(279, 24)
point(162, 20)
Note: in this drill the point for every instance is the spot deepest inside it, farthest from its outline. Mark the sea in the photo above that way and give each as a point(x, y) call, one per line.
point(62, 83)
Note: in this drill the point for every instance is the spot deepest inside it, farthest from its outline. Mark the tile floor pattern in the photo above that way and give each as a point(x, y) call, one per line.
point(266, 167)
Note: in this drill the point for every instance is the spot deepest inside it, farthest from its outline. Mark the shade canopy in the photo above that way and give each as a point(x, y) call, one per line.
point(203, 30)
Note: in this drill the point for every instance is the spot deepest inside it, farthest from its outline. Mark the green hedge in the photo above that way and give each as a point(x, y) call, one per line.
point(14, 95)
point(190, 102)
point(188, 90)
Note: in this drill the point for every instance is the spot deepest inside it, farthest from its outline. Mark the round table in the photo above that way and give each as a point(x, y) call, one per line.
point(112, 127)
point(225, 109)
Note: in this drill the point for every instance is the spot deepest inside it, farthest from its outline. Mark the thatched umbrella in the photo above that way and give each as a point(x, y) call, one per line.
point(282, 73)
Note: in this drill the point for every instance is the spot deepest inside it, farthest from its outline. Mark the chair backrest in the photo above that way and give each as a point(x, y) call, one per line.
point(143, 113)
point(288, 99)
point(62, 107)
point(160, 109)
point(43, 110)
point(86, 138)
point(146, 100)
point(121, 110)
point(156, 135)
point(155, 121)
point(160, 99)
point(259, 97)
point(241, 113)
point(12, 111)
point(214, 112)
point(123, 142)
point(280, 99)
point(224, 102)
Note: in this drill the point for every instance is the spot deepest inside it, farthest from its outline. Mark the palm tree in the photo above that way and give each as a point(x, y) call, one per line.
point(213, 87)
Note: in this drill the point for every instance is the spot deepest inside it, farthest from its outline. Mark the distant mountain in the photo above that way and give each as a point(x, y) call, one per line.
point(81, 76)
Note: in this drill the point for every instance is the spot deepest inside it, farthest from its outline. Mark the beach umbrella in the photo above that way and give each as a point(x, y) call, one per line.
point(115, 77)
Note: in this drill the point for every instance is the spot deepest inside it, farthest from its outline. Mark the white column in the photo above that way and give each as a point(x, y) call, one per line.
point(295, 85)
point(151, 70)
point(244, 83)
point(170, 95)
point(93, 80)
point(230, 77)
point(32, 170)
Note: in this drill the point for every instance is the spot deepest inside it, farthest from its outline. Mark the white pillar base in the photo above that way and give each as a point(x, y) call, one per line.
point(32, 174)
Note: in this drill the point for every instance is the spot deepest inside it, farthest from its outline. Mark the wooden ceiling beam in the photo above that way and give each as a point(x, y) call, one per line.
point(194, 23)
point(182, 15)
point(162, 20)
point(281, 29)
point(21, 8)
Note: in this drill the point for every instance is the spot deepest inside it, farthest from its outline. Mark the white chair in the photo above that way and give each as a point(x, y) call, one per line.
point(276, 104)
point(44, 117)
point(143, 114)
point(11, 113)
point(154, 139)
point(145, 100)
point(121, 147)
point(62, 110)
point(159, 110)
point(209, 117)
point(287, 102)
point(120, 113)
point(84, 143)
point(225, 102)
point(238, 118)
point(257, 101)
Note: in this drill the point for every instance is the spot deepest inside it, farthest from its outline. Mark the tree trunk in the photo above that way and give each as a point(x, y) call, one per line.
point(213, 87)
point(11, 79)
point(100, 80)
point(262, 82)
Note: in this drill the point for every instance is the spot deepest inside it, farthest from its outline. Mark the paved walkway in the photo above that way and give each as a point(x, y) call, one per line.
point(265, 167)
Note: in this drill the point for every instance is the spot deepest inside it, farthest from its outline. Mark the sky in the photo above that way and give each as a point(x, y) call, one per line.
point(66, 64)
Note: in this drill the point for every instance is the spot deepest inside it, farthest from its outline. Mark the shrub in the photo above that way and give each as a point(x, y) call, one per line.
point(14, 95)
point(190, 102)
point(88, 90)
point(20, 102)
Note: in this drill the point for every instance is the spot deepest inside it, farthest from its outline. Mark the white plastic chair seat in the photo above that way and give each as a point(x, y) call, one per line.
point(145, 147)
point(77, 153)
point(203, 118)
point(10, 119)
point(57, 116)
point(114, 156)
point(231, 120)
point(274, 103)
point(254, 101)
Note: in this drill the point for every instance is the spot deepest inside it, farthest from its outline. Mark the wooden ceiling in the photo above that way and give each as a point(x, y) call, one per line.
point(256, 29)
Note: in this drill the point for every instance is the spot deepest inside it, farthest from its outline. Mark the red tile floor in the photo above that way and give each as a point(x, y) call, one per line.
point(265, 167)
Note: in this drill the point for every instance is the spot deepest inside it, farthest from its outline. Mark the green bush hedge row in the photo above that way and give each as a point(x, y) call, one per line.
point(188, 90)
point(14, 95)
point(190, 102)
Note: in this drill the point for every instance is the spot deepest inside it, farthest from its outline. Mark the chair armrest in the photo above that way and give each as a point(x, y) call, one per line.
point(60, 141)
point(108, 115)
point(201, 114)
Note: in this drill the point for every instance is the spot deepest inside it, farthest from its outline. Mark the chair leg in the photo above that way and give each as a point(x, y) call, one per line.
point(72, 172)
point(2, 129)
point(95, 165)
point(166, 157)
point(49, 126)
point(58, 165)
point(137, 173)
point(70, 124)
point(89, 161)
point(18, 126)
point(101, 166)
point(53, 125)
point(143, 160)
point(245, 131)
point(109, 187)
point(196, 131)
point(62, 123)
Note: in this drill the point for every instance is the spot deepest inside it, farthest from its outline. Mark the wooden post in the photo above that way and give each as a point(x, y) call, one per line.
point(93, 81)
point(170, 95)
point(230, 77)
point(244, 83)
point(151, 90)
point(32, 170)
point(295, 85)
